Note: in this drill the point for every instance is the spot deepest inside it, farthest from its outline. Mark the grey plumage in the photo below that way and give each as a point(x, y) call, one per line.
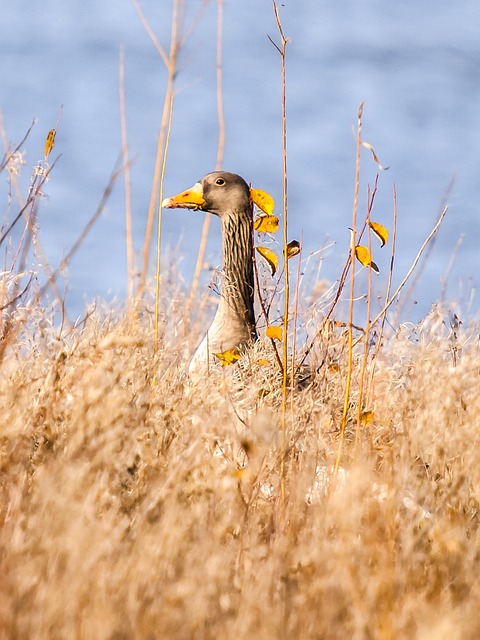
point(227, 195)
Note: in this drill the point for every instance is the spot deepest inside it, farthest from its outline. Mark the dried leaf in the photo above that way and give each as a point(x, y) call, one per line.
point(263, 362)
point(266, 224)
point(366, 418)
point(375, 157)
point(364, 256)
point(50, 142)
point(380, 231)
point(263, 200)
point(274, 332)
point(270, 257)
point(293, 249)
point(360, 113)
point(228, 357)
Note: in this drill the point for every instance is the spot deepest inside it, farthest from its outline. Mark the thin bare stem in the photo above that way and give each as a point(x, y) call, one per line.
point(295, 314)
point(265, 312)
point(219, 75)
point(127, 182)
point(282, 50)
point(7, 156)
point(387, 295)
point(412, 268)
point(167, 106)
point(117, 170)
point(153, 37)
point(159, 227)
point(29, 212)
point(444, 278)
point(443, 204)
point(219, 160)
point(13, 330)
point(346, 401)
point(363, 366)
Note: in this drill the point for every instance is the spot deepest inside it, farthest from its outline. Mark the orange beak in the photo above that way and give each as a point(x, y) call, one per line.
point(190, 199)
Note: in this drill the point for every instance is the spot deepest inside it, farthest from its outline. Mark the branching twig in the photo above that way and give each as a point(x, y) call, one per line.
point(282, 51)
point(412, 268)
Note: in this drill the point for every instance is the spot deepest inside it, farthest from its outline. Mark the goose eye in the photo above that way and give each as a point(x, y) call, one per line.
point(220, 182)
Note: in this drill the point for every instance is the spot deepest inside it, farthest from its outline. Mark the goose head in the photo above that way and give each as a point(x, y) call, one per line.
point(220, 192)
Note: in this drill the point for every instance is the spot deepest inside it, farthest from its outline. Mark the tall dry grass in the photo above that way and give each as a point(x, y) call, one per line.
point(130, 510)
point(234, 506)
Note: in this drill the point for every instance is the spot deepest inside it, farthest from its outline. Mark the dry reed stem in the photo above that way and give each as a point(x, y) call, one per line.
point(7, 156)
point(28, 211)
point(127, 181)
point(151, 34)
point(366, 337)
point(117, 170)
point(266, 309)
point(353, 242)
point(428, 249)
point(157, 183)
point(295, 316)
point(282, 51)
point(445, 278)
point(412, 267)
point(220, 153)
point(379, 339)
point(12, 329)
point(159, 226)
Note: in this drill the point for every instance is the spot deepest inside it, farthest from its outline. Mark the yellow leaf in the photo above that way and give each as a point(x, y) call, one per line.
point(263, 363)
point(380, 231)
point(293, 249)
point(266, 224)
point(333, 367)
point(263, 200)
point(365, 257)
point(274, 332)
point(366, 418)
point(270, 257)
point(50, 142)
point(228, 357)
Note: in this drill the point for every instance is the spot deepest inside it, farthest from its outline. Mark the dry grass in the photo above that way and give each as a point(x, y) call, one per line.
point(137, 503)
point(131, 511)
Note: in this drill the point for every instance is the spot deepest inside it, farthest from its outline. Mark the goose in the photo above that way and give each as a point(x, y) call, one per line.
point(227, 196)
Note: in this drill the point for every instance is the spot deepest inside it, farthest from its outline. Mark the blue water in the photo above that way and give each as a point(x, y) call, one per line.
point(416, 66)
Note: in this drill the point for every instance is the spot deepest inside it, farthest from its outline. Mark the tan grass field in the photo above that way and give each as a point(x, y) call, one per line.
point(137, 503)
point(139, 510)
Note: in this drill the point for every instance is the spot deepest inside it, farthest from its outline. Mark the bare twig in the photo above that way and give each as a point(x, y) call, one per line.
point(346, 401)
point(153, 37)
point(219, 160)
point(117, 170)
point(379, 337)
point(282, 52)
point(7, 156)
point(412, 268)
point(157, 184)
point(126, 175)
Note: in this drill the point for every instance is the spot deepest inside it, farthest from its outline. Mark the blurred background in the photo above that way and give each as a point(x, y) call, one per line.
point(416, 66)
